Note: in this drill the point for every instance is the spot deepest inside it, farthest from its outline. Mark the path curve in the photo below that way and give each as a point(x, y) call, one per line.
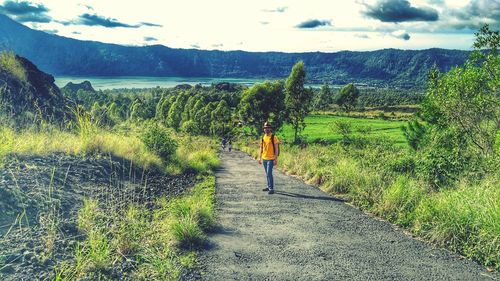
point(301, 233)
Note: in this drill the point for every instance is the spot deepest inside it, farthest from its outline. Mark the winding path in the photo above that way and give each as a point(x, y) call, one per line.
point(301, 233)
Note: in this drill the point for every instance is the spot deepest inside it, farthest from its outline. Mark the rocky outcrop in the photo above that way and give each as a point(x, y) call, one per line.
point(28, 95)
point(75, 87)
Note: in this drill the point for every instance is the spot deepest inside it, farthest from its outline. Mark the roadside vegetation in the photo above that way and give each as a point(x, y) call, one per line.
point(443, 184)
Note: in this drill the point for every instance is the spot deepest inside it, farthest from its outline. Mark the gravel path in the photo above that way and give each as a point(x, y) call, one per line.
point(301, 233)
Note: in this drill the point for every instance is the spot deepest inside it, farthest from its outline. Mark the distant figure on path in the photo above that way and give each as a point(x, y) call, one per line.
point(268, 154)
point(229, 145)
point(223, 144)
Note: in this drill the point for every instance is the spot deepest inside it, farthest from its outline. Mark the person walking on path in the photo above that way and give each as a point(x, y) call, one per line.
point(268, 155)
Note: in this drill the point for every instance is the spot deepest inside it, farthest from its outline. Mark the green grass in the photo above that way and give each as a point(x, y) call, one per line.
point(160, 241)
point(9, 62)
point(318, 128)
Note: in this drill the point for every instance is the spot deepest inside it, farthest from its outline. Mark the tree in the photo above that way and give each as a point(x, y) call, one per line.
point(221, 118)
point(175, 112)
point(204, 118)
point(347, 97)
point(324, 98)
point(263, 102)
point(141, 110)
point(297, 99)
point(466, 99)
point(163, 107)
point(462, 108)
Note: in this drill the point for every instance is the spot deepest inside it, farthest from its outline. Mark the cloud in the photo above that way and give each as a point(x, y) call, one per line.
point(76, 32)
point(33, 18)
point(436, 2)
point(217, 45)
point(96, 20)
point(401, 34)
point(313, 23)
point(399, 11)
point(362, 36)
point(277, 10)
point(149, 39)
point(51, 31)
point(475, 14)
point(150, 24)
point(195, 46)
point(22, 8)
point(264, 22)
point(25, 11)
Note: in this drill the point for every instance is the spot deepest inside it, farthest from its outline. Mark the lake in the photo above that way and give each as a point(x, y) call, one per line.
point(140, 82)
point(120, 82)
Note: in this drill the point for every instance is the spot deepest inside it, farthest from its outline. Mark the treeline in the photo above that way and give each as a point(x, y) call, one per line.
point(218, 110)
point(173, 107)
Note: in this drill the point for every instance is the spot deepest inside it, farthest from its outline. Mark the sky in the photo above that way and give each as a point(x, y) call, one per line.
point(264, 25)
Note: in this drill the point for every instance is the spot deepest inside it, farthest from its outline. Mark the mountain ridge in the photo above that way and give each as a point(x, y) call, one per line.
point(60, 55)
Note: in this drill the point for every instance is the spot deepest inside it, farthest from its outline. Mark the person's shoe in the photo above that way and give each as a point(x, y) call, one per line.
point(265, 189)
point(271, 191)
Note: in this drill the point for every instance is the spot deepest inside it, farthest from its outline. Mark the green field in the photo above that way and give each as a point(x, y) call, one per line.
point(318, 128)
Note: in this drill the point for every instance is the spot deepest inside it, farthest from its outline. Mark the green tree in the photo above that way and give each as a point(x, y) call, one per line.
point(263, 102)
point(204, 118)
point(163, 107)
point(297, 99)
point(196, 112)
point(347, 97)
point(324, 98)
point(141, 110)
point(414, 133)
point(174, 117)
point(462, 108)
point(221, 119)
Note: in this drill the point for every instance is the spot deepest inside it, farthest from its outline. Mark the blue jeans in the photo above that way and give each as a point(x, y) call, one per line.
point(268, 167)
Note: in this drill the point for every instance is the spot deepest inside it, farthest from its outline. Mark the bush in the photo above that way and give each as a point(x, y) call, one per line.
point(344, 176)
point(400, 201)
point(465, 219)
point(404, 164)
point(158, 140)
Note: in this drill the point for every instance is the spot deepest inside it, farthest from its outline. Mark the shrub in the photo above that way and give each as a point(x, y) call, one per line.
point(400, 200)
point(465, 219)
point(158, 140)
point(344, 176)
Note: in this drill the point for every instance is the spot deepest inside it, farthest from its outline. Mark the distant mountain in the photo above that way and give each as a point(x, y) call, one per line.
point(64, 56)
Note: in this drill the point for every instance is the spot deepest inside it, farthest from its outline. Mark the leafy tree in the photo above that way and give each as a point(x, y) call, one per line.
point(175, 112)
point(414, 133)
point(297, 99)
point(347, 97)
point(263, 102)
point(204, 118)
point(163, 107)
point(141, 110)
point(221, 118)
point(197, 117)
point(462, 108)
point(466, 99)
point(186, 114)
point(324, 98)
